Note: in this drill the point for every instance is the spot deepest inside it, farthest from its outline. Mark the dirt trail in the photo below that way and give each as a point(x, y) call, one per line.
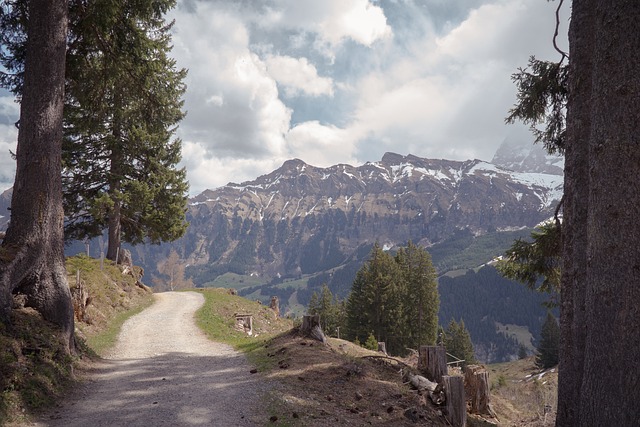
point(165, 372)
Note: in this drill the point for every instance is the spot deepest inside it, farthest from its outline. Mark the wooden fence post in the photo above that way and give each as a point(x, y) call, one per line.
point(476, 380)
point(456, 403)
point(432, 362)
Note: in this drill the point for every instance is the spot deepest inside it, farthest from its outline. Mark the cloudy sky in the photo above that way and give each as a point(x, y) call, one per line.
point(342, 81)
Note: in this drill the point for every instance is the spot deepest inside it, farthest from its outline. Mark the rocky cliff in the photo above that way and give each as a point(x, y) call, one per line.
point(301, 219)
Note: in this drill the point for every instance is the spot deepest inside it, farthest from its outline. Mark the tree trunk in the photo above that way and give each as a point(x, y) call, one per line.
point(32, 261)
point(455, 400)
point(610, 387)
point(599, 307)
point(575, 209)
point(115, 231)
point(432, 361)
point(476, 379)
point(311, 328)
point(115, 175)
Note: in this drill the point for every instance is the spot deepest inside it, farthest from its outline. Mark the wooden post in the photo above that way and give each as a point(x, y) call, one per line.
point(476, 379)
point(432, 362)
point(456, 403)
point(275, 306)
point(311, 328)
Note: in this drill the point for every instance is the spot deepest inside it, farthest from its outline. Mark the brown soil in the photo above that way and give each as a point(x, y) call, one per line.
point(338, 384)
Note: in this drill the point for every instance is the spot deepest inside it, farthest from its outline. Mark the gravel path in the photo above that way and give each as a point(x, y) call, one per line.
point(165, 372)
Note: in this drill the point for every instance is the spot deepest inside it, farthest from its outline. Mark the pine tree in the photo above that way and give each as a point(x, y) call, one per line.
point(371, 343)
point(329, 308)
point(396, 298)
point(421, 300)
point(522, 352)
point(124, 104)
point(548, 349)
point(32, 261)
point(457, 341)
point(374, 304)
point(536, 263)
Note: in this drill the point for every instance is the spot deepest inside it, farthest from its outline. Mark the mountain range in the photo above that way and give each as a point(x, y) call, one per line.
point(301, 219)
point(288, 232)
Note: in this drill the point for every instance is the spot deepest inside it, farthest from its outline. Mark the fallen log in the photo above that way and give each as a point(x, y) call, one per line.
point(420, 383)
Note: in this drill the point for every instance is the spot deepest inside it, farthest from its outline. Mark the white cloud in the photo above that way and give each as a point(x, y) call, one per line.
point(334, 21)
point(233, 103)
point(322, 145)
point(298, 76)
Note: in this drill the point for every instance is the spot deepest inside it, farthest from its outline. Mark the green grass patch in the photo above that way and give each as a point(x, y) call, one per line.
point(34, 366)
point(216, 318)
point(233, 280)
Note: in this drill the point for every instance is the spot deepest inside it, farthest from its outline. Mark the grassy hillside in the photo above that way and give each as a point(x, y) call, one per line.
point(34, 369)
point(341, 384)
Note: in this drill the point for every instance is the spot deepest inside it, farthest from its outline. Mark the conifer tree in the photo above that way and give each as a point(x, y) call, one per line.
point(329, 308)
point(374, 304)
point(457, 341)
point(536, 263)
point(549, 347)
point(421, 298)
point(123, 104)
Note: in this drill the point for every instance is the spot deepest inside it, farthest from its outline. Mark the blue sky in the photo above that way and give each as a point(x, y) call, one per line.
point(342, 81)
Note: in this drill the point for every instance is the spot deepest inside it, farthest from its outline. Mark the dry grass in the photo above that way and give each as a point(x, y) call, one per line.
point(522, 394)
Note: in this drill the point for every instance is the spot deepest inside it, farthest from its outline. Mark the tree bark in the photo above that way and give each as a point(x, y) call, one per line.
point(575, 210)
point(32, 261)
point(476, 384)
point(610, 385)
point(311, 328)
point(455, 400)
point(598, 384)
point(432, 361)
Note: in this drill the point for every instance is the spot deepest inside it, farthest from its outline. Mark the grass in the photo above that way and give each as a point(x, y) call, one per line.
point(216, 319)
point(233, 280)
point(34, 366)
point(520, 333)
point(35, 369)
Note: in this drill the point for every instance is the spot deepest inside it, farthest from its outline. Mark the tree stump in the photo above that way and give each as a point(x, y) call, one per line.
point(382, 347)
point(244, 323)
point(432, 362)
point(476, 384)
point(275, 306)
point(81, 299)
point(455, 400)
point(311, 328)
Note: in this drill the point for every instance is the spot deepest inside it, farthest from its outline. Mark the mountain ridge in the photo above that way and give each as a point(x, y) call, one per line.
point(302, 219)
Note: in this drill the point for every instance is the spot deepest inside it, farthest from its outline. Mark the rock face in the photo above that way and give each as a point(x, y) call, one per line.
point(302, 219)
point(523, 156)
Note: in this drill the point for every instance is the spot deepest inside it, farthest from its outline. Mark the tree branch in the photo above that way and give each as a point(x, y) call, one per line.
point(555, 35)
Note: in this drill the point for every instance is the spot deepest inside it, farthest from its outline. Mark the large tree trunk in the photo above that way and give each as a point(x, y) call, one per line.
point(610, 385)
point(598, 384)
point(32, 261)
point(575, 209)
